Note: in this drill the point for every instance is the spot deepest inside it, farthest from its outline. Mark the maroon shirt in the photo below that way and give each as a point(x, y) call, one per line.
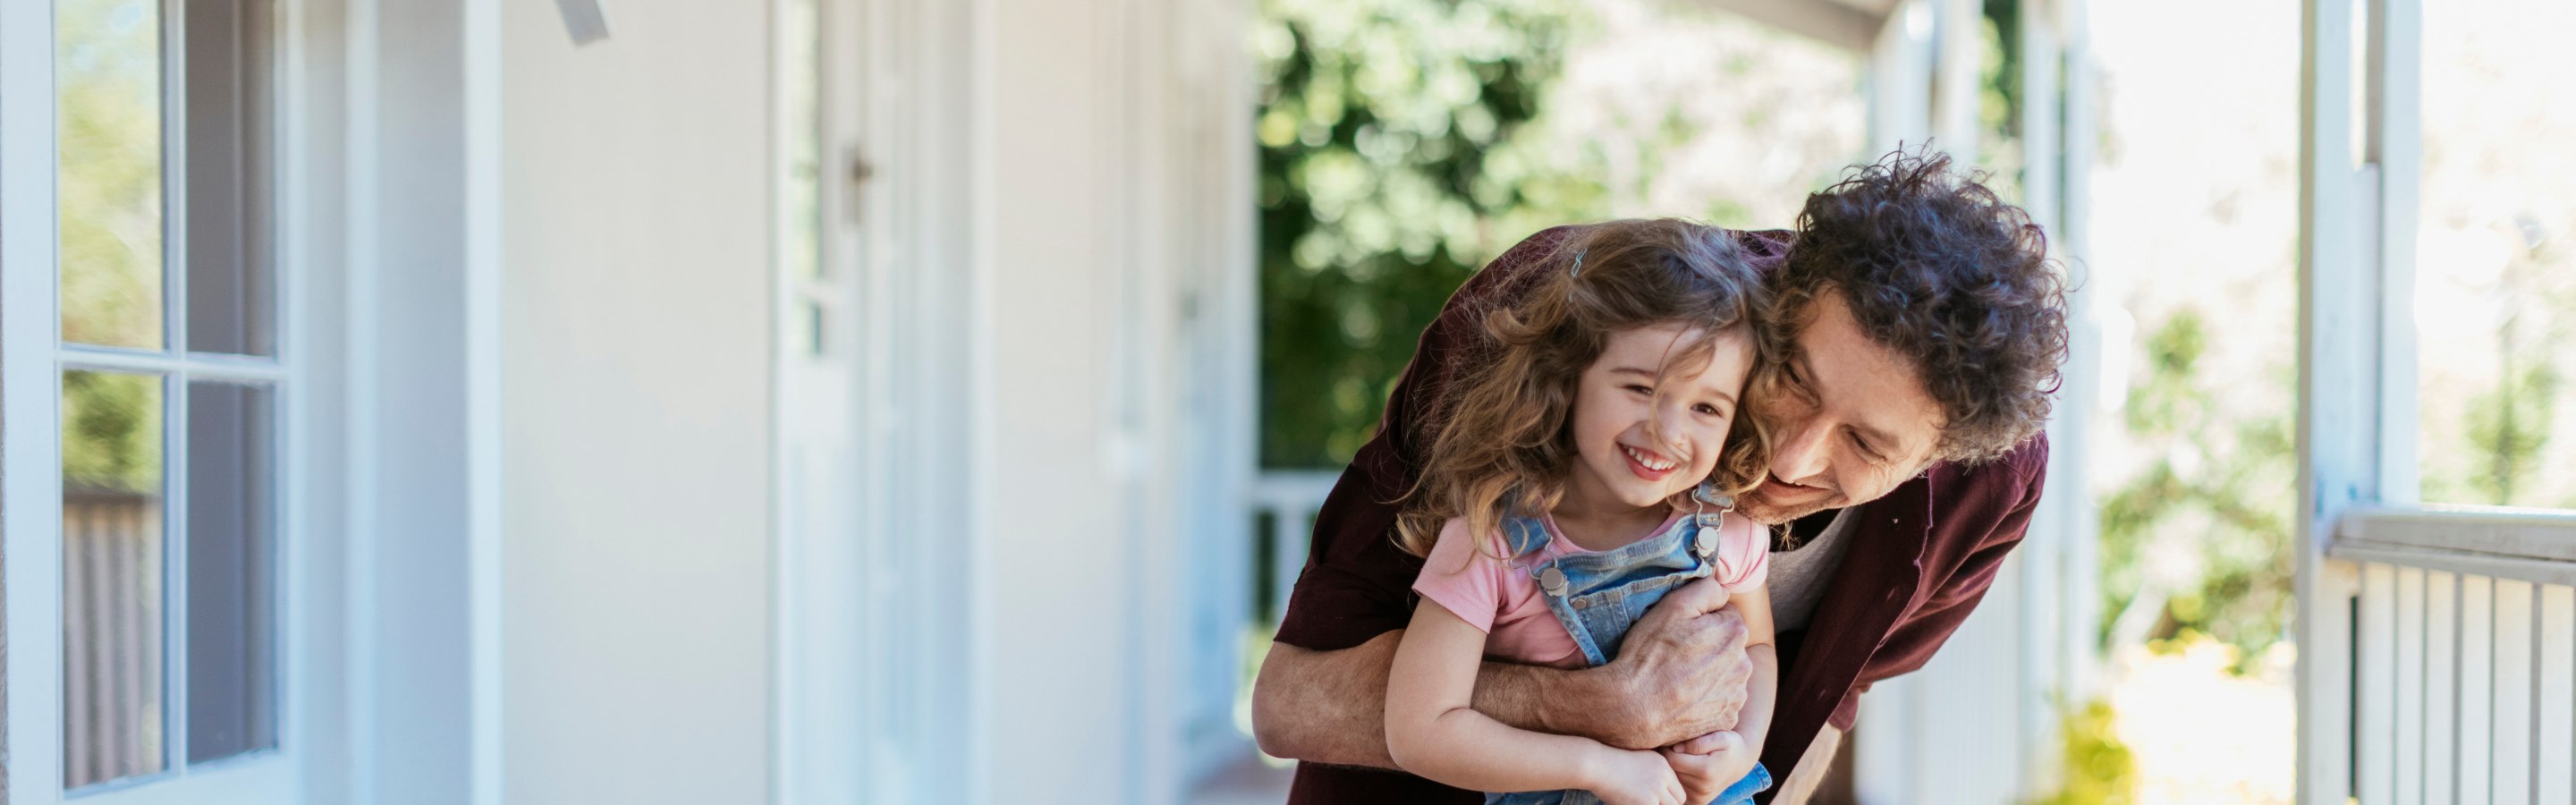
point(1920, 558)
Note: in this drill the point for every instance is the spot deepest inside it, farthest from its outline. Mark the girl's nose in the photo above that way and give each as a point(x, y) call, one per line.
point(1670, 419)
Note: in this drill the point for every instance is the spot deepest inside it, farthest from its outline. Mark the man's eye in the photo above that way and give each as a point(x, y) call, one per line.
point(1865, 450)
point(1638, 389)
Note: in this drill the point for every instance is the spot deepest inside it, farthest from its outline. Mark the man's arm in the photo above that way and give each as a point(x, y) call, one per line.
point(1802, 783)
point(1681, 673)
point(1330, 706)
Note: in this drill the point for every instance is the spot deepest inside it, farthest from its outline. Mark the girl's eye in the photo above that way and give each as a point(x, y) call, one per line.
point(1709, 410)
point(1638, 389)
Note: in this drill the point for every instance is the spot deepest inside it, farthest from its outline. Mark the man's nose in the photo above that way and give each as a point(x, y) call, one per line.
point(1800, 453)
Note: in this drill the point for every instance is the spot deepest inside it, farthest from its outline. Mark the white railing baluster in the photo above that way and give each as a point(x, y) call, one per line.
point(1291, 498)
point(2513, 689)
point(2477, 690)
point(2409, 765)
point(2441, 687)
point(2377, 731)
point(2555, 752)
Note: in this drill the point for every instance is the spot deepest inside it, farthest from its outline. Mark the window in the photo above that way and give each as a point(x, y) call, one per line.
point(171, 386)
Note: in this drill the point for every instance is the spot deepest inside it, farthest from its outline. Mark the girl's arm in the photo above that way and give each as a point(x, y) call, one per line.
point(1754, 723)
point(1431, 731)
point(1712, 763)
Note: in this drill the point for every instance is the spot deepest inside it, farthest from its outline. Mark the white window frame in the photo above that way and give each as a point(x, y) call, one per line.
point(30, 433)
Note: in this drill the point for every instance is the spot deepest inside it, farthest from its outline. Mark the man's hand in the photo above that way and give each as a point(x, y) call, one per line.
point(1680, 674)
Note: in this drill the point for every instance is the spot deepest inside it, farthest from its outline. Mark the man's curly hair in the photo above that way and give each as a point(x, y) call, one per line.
point(1937, 268)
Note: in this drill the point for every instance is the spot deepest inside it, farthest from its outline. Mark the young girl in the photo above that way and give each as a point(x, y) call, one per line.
point(1587, 471)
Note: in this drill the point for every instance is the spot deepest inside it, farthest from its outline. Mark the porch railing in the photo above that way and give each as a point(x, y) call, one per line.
point(2463, 655)
point(1287, 502)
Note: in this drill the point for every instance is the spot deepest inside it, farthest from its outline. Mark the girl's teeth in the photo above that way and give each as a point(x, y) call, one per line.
point(1651, 464)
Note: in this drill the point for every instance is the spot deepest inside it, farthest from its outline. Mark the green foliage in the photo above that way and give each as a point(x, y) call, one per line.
point(111, 432)
point(108, 67)
point(1999, 97)
point(1397, 156)
point(2508, 426)
point(109, 187)
point(2099, 768)
point(2221, 489)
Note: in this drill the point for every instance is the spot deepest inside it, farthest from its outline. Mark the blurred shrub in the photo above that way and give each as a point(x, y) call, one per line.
point(2197, 538)
point(2099, 769)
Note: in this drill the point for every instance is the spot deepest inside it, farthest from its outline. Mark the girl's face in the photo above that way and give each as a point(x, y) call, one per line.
point(1647, 428)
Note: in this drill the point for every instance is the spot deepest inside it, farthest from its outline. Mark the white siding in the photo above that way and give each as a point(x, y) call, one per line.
point(636, 327)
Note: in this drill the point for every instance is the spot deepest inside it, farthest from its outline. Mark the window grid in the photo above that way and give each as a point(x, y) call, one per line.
point(178, 371)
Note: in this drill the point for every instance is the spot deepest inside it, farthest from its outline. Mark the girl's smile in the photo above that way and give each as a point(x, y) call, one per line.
point(1649, 425)
point(1647, 464)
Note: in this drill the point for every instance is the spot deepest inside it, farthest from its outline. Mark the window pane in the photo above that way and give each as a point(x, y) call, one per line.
point(108, 68)
point(2496, 274)
point(232, 286)
point(232, 580)
point(800, 105)
point(112, 610)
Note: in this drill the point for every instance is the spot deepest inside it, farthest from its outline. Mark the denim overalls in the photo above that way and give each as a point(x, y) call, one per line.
point(1599, 595)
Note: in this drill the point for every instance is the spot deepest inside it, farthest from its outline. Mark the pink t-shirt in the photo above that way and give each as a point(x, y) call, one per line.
point(1500, 597)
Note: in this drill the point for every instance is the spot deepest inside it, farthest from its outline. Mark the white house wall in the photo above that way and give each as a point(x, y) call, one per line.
point(1065, 528)
point(636, 329)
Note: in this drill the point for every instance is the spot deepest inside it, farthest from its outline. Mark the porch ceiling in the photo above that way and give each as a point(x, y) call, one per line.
point(1848, 24)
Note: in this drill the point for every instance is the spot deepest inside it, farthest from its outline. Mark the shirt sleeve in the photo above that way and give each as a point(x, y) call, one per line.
point(1743, 553)
point(1466, 581)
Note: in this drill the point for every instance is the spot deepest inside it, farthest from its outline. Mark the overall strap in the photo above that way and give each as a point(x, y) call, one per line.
point(1523, 535)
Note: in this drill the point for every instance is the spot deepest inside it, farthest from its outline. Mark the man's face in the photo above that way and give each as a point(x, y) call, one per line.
point(1852, 420)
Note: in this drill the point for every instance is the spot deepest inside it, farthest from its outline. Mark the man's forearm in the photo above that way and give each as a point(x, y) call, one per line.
point(1539, 698)
point(1325, 706)
point(1803, 782)
point(1330, 706)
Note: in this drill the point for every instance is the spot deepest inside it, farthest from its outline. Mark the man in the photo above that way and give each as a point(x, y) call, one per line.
point(1927, 326)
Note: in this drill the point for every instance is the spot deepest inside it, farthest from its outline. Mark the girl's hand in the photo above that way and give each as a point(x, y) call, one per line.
point(1626, 777)
point(1706, 765)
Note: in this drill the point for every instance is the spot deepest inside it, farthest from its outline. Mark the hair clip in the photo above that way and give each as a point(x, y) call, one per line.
point(1577, 271)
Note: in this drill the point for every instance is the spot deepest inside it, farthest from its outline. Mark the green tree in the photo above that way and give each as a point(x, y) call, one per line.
point(2219, 490)
point(108, 63)
point(111, 432)
point(1397, 155)
point(2509, 424)
point(108, 67)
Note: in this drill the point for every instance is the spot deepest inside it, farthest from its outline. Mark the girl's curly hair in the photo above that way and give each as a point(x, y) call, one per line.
point(1505, 446)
